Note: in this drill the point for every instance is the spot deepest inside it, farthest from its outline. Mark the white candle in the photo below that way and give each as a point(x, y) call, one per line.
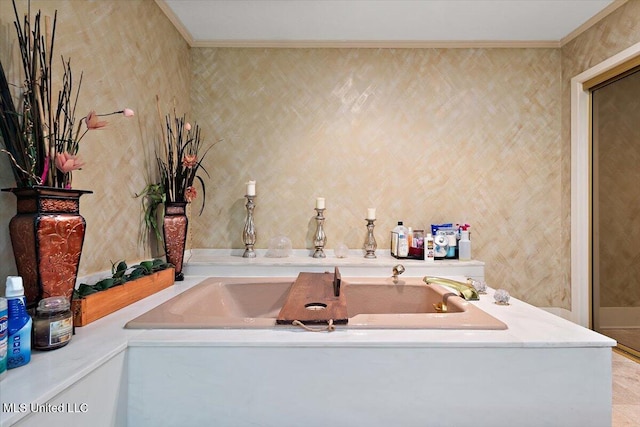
point(251, 188)
point(320, 203)
point(371, 213)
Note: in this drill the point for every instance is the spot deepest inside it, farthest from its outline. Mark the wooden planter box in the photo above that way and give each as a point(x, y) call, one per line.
point(93, 307)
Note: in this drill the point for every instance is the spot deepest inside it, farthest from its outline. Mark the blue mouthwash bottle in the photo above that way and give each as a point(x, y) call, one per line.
point(4, 320)
point(19, 343)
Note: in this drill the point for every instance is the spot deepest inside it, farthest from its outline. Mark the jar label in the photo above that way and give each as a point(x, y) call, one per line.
point(60, 331)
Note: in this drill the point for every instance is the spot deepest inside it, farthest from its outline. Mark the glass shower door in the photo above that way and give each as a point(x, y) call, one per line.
point(616, 210)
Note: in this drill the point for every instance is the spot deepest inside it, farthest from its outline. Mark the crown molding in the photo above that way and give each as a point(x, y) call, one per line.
point(162, 4)
point(377, 44)
point(591, 22)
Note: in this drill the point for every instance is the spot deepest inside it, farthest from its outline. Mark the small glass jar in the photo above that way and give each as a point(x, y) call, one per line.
point(53, 324)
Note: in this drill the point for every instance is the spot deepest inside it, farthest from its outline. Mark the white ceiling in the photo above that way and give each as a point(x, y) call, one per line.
point(211, 21)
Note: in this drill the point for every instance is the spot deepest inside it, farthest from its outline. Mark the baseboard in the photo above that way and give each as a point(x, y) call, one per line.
point(619, 317)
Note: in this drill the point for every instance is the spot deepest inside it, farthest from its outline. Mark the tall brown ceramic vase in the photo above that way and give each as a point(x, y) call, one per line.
point(174, 227)
point(47, 234)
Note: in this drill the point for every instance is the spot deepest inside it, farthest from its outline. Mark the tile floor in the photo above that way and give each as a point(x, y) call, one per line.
point(626, 391)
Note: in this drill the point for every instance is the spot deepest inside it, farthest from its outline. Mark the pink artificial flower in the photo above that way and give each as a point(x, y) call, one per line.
point(128, 112)
point(93, 122)
point(190, 161)
point(190, 194)
point(187, 126)
point(66, 162)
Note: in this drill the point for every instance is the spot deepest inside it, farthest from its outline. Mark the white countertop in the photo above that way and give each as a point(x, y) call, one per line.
point(302, 257)
point(229, 262)
point(51, 372)
point(528, 326)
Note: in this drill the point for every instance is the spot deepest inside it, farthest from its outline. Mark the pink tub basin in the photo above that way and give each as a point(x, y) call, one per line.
point(375, 303)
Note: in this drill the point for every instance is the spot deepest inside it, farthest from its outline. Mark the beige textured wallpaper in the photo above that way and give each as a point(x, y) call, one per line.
point(129, 52)
point(423, 135)
point(616, 111)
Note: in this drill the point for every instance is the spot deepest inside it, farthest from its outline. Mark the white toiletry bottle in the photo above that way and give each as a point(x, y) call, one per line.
point(403, 242)
point(464, 251)
point(396, 234)
point(429, 249)
point(19, 324)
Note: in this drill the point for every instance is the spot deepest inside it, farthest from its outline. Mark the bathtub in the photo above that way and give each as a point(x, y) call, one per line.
point(372, 303)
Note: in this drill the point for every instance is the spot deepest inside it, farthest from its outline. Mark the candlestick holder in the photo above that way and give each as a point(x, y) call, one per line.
point(249, 232)
point(319, 239)
point(370, 244)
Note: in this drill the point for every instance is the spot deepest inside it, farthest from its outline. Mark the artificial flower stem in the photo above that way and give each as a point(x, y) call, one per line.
point(127, 112)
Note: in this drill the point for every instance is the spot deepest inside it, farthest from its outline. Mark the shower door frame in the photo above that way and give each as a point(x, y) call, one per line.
point(581, 178)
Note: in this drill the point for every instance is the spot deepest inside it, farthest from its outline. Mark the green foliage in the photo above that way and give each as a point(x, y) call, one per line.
point(121, 273)
point(153, 196)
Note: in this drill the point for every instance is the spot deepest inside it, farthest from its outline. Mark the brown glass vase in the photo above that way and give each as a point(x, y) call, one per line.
point(174, 227)
point(47, 234)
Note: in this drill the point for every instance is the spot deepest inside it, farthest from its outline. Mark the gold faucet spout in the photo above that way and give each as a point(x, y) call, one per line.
point(466, 290)
point(397, 270)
